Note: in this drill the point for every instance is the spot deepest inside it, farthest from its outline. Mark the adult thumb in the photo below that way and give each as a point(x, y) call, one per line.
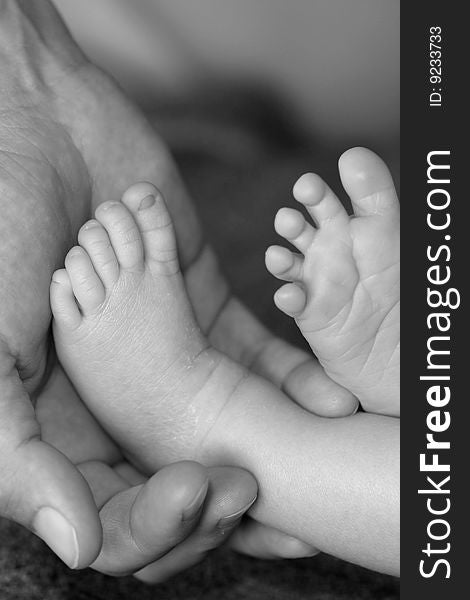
point(39, 487)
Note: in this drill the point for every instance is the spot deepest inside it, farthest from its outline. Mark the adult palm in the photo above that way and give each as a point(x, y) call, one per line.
point(69, 140)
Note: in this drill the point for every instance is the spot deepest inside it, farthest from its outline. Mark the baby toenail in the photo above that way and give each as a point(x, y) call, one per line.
point(108, 205)
point(90, 225)
point(147, 202)
point(75, 252)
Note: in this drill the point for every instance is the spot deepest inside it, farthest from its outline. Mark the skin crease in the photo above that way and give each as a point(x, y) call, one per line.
point(345, 477)
point(343, 473)
point(344, 286)
point(72, 159)
point(68, 426)
point(68, 141)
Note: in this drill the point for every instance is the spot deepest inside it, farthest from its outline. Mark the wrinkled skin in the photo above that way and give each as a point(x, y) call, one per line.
point(70, 140)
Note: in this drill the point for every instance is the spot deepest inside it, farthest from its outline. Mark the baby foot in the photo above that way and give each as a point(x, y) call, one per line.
point(125, 332)
point(345, 294)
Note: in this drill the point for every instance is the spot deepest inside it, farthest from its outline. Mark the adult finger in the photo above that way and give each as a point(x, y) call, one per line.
point(257, 540)
point(145, 521)
point(298, 373)
point(231, 493)
point(39, 487)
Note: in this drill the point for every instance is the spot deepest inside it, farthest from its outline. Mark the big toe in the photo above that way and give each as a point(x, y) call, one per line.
point(148, 207)
point(368, 182)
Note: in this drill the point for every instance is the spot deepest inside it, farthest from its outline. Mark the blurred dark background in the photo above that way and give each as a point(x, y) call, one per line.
point(29, 571)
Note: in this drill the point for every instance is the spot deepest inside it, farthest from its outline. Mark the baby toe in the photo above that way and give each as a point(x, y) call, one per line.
point(63, 305)
point(369, 184)
point(283, 264)
point(291, 225)
point(291, 299)
point(320, 201)
point(86, 285)
point(123, 233)
point(149, 210)
point(95, 240)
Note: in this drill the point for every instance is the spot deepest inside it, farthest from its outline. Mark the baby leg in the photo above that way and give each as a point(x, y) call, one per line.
point(126, 334)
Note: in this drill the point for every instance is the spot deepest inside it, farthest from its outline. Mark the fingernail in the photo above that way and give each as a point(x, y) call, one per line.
point(196, 504)
point(59, 535)
point(290, 547)
point(355, 409)
point(147, 202)
point(231, 520)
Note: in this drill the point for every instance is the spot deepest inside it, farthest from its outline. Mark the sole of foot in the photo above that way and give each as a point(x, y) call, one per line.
point(343, 284)
point(126, 334)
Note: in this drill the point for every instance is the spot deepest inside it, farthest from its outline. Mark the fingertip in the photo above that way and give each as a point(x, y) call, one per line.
point(180, 481)
point(257, 540)
point(291, 548)
point(63, 513)
point(339, 405)
point(41, 489)
point(178, 491)
point(233, 493)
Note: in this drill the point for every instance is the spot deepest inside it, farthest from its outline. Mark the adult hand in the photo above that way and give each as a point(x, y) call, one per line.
point(68, 141)
point(153, 527)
